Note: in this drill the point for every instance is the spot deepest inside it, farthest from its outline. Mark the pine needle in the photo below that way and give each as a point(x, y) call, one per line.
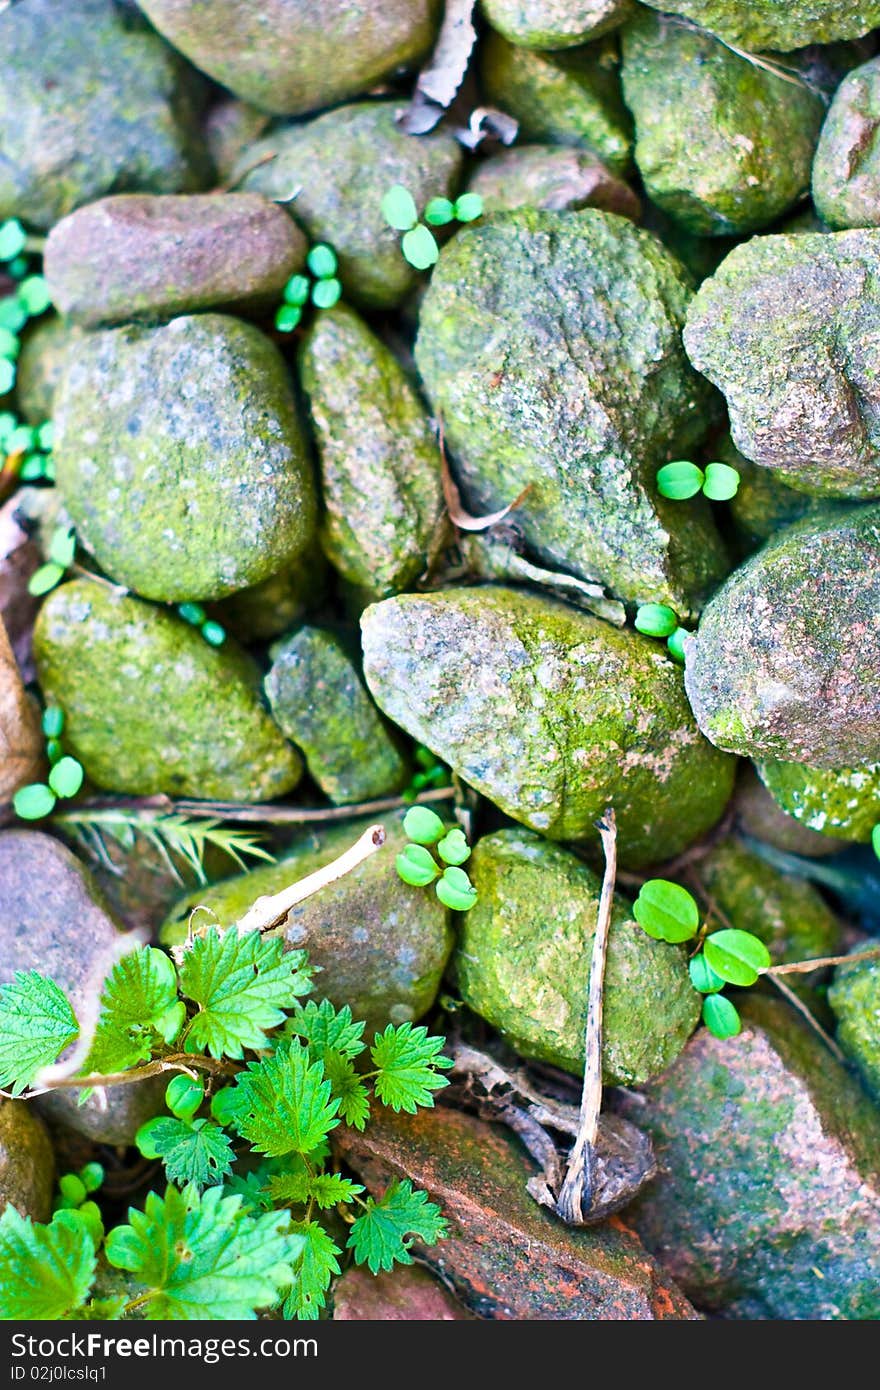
point(174, 837)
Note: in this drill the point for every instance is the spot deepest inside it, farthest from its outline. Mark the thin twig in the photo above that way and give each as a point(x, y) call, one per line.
point(802, 967)
point(181, 1061)
point(271, 910)
point(797, 1003)
point(576, 1194)
point(265, 814)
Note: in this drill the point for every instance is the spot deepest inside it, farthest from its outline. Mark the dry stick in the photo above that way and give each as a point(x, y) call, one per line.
point(800, 967)
point(577, 1184)
point(797, 1003)
point(270, 911)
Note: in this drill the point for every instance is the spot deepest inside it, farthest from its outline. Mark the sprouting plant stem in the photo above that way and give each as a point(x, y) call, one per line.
point(577, 1184)
point(270, 911)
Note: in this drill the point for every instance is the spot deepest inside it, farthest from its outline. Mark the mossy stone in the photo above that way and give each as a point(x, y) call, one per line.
point(555, 23)
point(759, 815)
point(274, 606)
point(843, 803)
point(550, 346)
point(764, 505)
point(554, 178)
point(763, 24)
point(567, 98)
point(379, 459)
point(91, 102)
point(786, 661)
point(788, 914)
point(855, 998)
point(151, 707)
point(846, 170)
point(523, 963)
point(723, 146)
point(319, 702)
point(292, 56)
point(27, 1163)
point(181, 458)
point(140, 257)
point(381, 946)
point(768, 1157)
point(786, 328)
point(230, 126)
point(551, 714)
point(41, 365)
point(333, 172)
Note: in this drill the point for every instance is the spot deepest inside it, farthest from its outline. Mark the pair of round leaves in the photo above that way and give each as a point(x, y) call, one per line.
point(680, 480)
point(659, 620)
point(37, 799)
point(668, 912)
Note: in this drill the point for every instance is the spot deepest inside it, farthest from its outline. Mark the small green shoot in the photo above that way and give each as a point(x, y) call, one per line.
point(681, 480)
point(417, 866)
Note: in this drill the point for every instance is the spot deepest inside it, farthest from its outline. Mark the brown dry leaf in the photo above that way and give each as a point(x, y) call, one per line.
point(463, 519)
point(21, 741)
point(439, 82)
point(19, 558)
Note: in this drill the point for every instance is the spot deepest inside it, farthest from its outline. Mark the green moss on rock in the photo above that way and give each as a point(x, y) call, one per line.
point(760, 815)
point(568, 98)
point(379, 459)
point(550, 345)
point(786, 328)
point(319, 702)
point(523, 963)
point(555, 23)
point(763, 24)
point(27, 1163)
point(843, 803)
point(549, 713)
point(785, 663)
point(846, 170)
point(723, 146)
point(381, 946)
point(277, 604)
point(90, 103)
point(41, 365)
point(181, 458)
point(151, 707)
point(333, 173)
point(291, 56)
point(855, 998)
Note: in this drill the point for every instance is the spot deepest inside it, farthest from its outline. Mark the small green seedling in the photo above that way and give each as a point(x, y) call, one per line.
point(321, 287)
point(12, 239)
point(680, 480)
point(417, 866)
point(62, 550)
point(418, 244)
point(875, 840)
point(194, 614)
point(668, 912)
point(431, 773)
point(37, 800)
point(30, 299)
point(656, 620)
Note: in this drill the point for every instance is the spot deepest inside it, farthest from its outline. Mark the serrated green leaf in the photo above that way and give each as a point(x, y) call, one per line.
point(318, 1265)
point(46, 1272)
point(205, 1257)
point(139, 1009)
point(737, 956)
point(283, 1104)
point(348, 1088)
point(197, 1152)
point(326, 1029)
point(242, 985)
point(36, 1025)
point(666, 911)
point(408, 1062)
point(327, 1189)
point(383, 1235)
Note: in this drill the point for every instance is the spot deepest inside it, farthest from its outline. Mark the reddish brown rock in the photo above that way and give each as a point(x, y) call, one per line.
point(139, 257)
point(768, 1199)
point(407, 1294)
point(552, 177)
point(506, 1257)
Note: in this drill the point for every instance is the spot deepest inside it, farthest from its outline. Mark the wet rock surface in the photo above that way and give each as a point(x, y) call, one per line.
point(840, 803)
point(854, 997)
point(768, 1157)
point(538, 707)
point(846, 171)
point(27, 1164)
point(410, 1294)
point(547, 377)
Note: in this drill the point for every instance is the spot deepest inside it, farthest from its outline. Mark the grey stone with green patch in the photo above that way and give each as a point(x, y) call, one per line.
point(786, 661)
point(523, 963)
point(767, 1203)
point(765, 505)
point(763, 24)
point(181, 457)
point(786, 328)
point(788, 914)
point(319, 702)
point(27, 1163)
point(90, 103)
point(151, 707)
point(555, 23)
point(381, 946)
point(567, 98)
point(137, 256)
point(339, 167)
point(551, 714)
point(555, 178)
point(292, 56)
point(723, 146)
point(855, 998)
point(550, 346)
point(41, 365)
point(846, 170)
point(268, 609)
point(843, 803)
point(379, 458)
